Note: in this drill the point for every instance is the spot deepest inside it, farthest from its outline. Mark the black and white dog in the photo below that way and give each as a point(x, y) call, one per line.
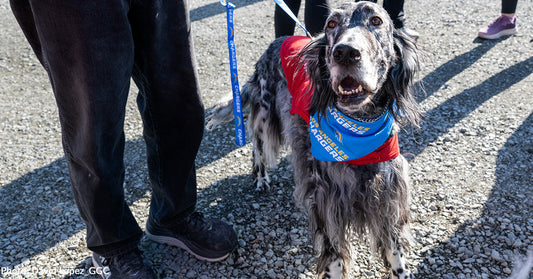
point(358, 75)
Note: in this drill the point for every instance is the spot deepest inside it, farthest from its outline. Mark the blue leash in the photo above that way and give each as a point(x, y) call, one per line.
point(287, 10)
point(237, 106)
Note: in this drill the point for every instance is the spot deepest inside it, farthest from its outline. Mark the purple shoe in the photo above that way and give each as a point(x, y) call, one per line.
point(502, 26)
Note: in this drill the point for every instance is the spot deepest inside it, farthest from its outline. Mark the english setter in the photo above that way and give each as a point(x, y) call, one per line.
point(359, 71)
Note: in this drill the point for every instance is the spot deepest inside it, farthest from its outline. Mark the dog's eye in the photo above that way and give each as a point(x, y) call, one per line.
point(376, 20)
point(332, 24)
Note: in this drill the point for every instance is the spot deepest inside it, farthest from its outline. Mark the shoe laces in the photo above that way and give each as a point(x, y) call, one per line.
point(127, 262)
point(197, 222)
point(501, 20)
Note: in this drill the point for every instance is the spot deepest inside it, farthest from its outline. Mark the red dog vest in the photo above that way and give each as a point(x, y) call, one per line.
point(299, 85)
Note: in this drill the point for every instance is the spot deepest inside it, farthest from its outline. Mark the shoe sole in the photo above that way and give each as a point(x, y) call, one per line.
point(180, 244)
point(497, 35)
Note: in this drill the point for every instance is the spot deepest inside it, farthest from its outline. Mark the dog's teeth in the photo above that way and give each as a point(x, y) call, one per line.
point(357, 90)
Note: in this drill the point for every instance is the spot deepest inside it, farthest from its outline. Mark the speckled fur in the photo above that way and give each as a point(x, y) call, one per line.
point(339, 198)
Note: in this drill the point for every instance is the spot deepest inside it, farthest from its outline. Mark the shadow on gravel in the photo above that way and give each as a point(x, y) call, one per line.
point(218, 142)
point(261, 221)
point(437, 78)
point(37, 210)
point(495, 251)
point(45, 195)
point(216, 8)
point(41, 195)
point(440, 119)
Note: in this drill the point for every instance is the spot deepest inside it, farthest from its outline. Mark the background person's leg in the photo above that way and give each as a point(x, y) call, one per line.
point(170, 105)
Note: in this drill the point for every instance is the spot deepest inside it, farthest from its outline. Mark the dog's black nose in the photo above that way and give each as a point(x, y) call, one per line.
point(346, 54)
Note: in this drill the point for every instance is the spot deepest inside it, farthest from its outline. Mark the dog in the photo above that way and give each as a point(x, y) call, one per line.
point(359, 71)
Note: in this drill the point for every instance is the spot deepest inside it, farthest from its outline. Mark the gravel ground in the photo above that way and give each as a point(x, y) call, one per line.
point(471, 161)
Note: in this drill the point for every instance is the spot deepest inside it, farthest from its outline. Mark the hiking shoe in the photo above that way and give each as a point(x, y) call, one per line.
point(502, 26)
point(126, 266)
point(206, 239)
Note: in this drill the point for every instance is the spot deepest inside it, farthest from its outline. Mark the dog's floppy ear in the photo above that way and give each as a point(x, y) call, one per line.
point(313, 60)
point(402, 77)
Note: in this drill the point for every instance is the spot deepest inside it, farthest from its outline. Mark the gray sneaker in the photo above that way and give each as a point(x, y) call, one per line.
point(206, 239)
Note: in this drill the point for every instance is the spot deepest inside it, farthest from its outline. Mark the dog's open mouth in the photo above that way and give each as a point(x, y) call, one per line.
point(350, 90)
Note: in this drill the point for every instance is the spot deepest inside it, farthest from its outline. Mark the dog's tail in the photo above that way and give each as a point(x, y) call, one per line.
point(223, 111)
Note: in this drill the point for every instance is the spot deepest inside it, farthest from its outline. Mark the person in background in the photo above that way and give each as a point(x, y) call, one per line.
point(395, 10)
point(316, 13)
point(91, 50)
point(504, 25)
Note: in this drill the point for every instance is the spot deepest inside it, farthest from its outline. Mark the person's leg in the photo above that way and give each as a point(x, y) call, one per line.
point(169, 103)
point(395, 10)
point(316, 13)
point(173, 119)
point(283, 23)
point(87, 50)
point(509, 7)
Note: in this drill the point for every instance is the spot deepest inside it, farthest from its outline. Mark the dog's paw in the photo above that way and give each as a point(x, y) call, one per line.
point(262, 184)
point(398, 265)
point(401, 273)
point(333, 271)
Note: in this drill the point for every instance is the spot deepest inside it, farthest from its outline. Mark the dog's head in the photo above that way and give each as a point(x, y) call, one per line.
point(361, 63)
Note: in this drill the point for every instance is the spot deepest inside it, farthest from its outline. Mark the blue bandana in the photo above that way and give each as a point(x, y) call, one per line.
point(336, 137)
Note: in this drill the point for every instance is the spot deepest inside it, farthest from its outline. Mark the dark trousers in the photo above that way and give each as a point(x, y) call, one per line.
point(509, 6)
point(395, 10)
point(316, 13)
point(90, 50)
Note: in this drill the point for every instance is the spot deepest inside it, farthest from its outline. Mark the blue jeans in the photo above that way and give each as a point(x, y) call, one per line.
point(90, 50)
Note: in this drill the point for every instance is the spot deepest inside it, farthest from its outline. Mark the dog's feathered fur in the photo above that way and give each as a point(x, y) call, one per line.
point(340, 198)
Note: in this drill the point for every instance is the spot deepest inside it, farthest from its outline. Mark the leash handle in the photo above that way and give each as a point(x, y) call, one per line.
point(288, 11)
point(237, 106)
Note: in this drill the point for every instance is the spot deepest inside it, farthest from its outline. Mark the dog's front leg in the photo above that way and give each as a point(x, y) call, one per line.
point(332, 254)
point(308, 193)
point(328, 236)
point(259, 170)
point(334, 270)
point(398, 265)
